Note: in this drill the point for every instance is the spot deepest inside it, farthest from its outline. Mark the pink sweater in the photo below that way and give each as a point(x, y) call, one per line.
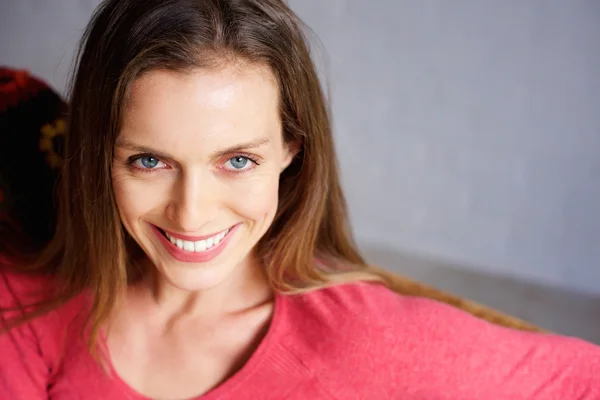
point(356, 341)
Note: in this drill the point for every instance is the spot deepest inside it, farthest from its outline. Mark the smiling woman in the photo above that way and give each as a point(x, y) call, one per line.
point(203, 249)
point(196, 175)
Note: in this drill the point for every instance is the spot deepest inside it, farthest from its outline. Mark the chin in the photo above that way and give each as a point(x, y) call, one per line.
point(200, 278)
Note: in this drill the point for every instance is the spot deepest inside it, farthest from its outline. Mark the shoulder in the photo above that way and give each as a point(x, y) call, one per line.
point(23, 293)
point(20, 290)
point(45, 334)
point(377, 339)
point(345, 334)
point(369, 315)
point(357, 308)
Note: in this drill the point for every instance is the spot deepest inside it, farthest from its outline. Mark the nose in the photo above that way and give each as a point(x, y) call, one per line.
point(194, 202)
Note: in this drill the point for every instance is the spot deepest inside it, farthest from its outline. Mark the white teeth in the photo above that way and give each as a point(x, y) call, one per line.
point(197, 246)
point(200, 245)
point(188, 246)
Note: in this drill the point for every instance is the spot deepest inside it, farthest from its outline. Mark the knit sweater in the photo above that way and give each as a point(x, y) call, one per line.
point(348, 342)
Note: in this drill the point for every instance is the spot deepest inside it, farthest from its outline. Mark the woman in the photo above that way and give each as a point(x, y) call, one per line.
point(202, 249)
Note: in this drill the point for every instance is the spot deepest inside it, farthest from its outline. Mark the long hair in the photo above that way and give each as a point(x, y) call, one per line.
point(126, 38)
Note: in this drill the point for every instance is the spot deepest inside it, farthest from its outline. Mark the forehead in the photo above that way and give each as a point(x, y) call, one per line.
point(219, 80)
point(235, 99)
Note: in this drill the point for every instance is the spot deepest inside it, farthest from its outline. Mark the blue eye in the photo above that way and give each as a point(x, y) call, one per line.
point(147, 162)
point(238, 162)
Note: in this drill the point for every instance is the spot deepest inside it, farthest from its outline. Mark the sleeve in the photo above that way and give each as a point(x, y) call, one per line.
point(445, 353)
point(24, 373)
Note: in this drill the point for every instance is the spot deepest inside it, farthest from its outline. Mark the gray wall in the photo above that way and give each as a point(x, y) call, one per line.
point(41, 35)
point(467, 131)
point(470, 130)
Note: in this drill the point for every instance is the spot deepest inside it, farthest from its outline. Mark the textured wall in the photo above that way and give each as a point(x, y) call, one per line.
point(469, 131)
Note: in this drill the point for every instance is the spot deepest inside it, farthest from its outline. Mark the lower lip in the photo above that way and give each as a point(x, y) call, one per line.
point(200, 257)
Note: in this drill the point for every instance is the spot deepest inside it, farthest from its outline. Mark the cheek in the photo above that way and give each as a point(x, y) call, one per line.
point(257, 199)
point(134, 198)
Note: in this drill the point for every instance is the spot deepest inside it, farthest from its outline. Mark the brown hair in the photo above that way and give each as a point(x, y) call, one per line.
point(126, 38)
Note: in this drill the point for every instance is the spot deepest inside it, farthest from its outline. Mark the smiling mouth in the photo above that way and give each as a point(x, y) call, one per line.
point(197, 246)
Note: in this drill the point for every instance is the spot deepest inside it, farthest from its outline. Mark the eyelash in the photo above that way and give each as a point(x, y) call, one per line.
point(131, 160)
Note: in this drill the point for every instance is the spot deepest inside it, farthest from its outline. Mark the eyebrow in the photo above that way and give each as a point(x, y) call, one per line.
point(253, 144)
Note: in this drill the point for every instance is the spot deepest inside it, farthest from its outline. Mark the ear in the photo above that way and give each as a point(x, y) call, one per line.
point(291, 150)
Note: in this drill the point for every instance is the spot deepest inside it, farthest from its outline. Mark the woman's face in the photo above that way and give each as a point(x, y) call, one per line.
point(196, 169)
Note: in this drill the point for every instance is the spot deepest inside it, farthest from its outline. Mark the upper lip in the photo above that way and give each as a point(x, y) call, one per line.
point(191, 238)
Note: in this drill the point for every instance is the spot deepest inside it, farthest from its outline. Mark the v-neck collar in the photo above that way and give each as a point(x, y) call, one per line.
point(272, 364)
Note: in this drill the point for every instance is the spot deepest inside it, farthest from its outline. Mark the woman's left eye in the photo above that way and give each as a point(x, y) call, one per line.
point(239, 163)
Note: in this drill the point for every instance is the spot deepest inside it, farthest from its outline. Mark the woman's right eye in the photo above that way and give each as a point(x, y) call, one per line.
point(148, 163)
